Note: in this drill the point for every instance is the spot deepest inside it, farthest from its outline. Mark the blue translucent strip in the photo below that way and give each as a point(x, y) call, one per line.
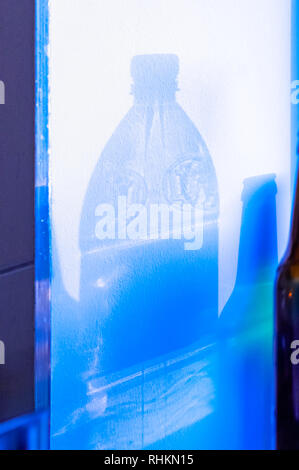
point(42, 350)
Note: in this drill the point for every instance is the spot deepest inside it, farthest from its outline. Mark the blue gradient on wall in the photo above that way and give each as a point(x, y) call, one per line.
point(142, 361)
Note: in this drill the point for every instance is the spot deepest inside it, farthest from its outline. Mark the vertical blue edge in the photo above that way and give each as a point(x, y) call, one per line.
point(295, 108)
point(33, 429)
point(42, 227)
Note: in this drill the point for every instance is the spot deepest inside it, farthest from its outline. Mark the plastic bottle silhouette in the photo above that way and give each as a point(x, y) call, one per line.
point(145, 289)
point(246, 323)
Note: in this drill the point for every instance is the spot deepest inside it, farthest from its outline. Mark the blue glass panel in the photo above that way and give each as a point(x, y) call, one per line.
point(169, 212)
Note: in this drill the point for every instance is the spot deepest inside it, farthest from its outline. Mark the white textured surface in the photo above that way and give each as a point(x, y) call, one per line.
point(234, 84)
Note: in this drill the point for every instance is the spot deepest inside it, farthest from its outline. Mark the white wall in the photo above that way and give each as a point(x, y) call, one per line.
point(234, 82)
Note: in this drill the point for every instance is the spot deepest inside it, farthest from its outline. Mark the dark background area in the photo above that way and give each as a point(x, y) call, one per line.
point(17, 134)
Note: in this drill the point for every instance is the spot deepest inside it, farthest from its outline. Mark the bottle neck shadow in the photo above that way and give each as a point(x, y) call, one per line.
point(258, 253)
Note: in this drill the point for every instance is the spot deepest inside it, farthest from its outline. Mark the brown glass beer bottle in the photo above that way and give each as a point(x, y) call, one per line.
point(287, 341)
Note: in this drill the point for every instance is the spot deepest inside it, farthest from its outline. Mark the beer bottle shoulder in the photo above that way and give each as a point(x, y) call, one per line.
point(288, 271)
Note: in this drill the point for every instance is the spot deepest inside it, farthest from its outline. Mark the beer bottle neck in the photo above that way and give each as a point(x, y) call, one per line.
point(293, 250)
